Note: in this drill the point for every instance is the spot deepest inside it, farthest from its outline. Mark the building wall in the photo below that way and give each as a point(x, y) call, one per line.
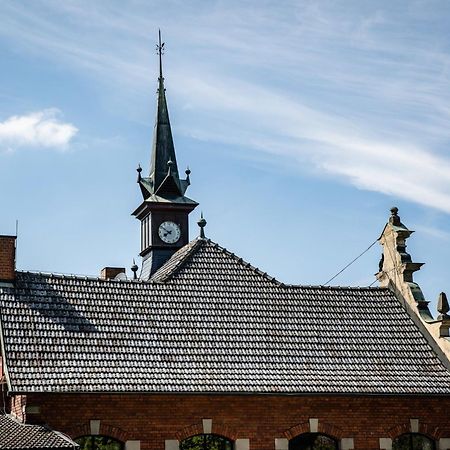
point(153, 419)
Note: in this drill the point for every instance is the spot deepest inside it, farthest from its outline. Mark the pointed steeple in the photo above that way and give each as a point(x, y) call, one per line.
point(163, 149)
point(165, 208)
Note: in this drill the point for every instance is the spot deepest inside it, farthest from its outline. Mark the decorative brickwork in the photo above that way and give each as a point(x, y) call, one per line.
point(153, 419)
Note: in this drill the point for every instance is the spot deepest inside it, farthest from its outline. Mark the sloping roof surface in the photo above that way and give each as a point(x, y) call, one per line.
point(17, 436)
point(209, 322)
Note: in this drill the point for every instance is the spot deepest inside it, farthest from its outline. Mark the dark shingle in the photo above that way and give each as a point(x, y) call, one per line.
point(18, 436)
point(209, 322)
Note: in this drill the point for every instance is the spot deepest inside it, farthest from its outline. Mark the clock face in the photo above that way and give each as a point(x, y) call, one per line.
point(169, 232)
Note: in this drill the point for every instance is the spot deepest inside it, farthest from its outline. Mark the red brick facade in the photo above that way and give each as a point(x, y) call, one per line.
point(7, 258)
point(152, 419)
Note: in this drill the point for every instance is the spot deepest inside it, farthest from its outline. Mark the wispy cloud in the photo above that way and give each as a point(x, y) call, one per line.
point(356, 93)
point(37, 129)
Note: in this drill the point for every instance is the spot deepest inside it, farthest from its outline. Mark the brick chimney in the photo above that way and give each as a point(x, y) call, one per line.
point(7, 258)
point(108, 273)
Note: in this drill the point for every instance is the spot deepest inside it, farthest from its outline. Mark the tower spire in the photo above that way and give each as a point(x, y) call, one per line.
point(165, 208)
point(163, 149)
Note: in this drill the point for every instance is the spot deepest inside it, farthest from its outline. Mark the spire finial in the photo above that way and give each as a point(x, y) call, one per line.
point(134, 269)
point(139, 170)
point(202, 224)
point(160, 52)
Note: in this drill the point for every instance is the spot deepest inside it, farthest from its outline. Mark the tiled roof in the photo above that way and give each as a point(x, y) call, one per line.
point(17, 436)
point(209, 322)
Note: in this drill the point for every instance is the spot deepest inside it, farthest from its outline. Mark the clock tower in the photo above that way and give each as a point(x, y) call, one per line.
point(165, 208)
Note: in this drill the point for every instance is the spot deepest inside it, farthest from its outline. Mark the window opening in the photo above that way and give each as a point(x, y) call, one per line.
point(313, 441)
point(206, 442)
point(413, 441)
point(99, 443)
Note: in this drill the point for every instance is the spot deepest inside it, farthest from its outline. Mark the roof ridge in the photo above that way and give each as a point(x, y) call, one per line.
point(72, 276)
point(175, 262)
point(246, 263)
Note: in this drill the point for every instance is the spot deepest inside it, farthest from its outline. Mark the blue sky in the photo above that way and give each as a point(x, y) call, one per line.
point(303, 122)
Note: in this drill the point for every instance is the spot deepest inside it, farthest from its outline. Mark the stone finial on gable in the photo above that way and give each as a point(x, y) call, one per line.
point(396, 270)
point(396, 267)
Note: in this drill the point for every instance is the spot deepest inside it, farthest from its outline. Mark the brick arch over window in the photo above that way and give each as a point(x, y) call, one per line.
point(323, 428)
point(426, 429)
point(84, 429)
point(218, 428)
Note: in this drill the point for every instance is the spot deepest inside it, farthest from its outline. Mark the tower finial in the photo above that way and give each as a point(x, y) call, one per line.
point(202, 224)
point(160, 52)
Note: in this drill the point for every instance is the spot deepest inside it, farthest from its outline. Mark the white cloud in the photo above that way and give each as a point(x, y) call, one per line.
point(37, 129)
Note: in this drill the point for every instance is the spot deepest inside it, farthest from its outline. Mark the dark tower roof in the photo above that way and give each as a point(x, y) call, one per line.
point(164, 179)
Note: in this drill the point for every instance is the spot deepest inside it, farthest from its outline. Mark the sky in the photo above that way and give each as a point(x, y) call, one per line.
point(303, 123)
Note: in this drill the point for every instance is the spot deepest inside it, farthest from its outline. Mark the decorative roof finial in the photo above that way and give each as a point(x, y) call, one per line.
point(443, 306)
point(134, 269)
point(139, 170)
point(160, 52)
point(395, 218)
point(202, 224)
point(169, 167)
point(188, 172)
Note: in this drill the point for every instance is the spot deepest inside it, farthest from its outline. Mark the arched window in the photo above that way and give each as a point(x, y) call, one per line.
point(206, 442)
point(99, 443)
point(313, 441)
point(412, 441)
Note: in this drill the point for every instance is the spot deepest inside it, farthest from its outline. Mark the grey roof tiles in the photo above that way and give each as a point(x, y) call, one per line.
point(17, 436)
point(209, 322)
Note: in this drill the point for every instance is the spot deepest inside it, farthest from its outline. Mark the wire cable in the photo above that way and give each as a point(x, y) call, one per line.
point(351, 262)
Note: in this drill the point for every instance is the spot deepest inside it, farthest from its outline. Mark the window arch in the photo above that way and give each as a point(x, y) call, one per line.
point(313, 441)
point(99, 443)
point(206, 442)
point(413, 441)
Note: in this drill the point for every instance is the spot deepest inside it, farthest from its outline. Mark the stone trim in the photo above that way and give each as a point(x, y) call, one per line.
point(444, 444)
point(281, 444)
point(313, 425)
point(219, 428)
point(133, 445)
point(84, 429)
point(414, 424)
point(385, 444)
point(207, 426)
point(347, 444)
point(242, 444)
point(171, 444)
point(94, 427)
point(322, 427)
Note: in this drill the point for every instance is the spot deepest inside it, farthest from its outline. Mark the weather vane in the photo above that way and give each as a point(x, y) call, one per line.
point(160, 52)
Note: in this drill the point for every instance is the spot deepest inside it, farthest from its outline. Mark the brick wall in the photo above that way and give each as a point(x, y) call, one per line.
point(7, 258)
point(154, 418)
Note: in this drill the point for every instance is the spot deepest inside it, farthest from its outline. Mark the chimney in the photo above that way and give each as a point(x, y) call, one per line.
point(109, 273)
point(7, 258)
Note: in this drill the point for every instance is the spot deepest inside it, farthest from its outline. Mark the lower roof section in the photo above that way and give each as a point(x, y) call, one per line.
point(18, 436)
